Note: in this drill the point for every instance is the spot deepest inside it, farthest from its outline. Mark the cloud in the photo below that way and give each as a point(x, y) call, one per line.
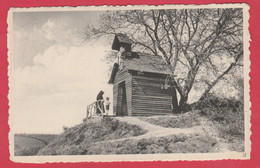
point(55, 91)
point(37, 38)
point(26, 44)
point(53, 75)
point(61, 32)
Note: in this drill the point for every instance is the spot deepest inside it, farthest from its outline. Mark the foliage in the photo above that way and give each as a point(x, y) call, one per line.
point(200, 46)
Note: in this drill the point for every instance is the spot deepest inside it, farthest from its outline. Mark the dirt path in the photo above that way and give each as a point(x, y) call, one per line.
point(153, 130)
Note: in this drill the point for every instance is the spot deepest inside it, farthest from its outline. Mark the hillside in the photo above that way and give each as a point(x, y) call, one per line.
point(184, 133)
point(76, 140)
point(30, 144)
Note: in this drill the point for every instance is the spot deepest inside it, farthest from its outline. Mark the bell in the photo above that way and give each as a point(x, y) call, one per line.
point(166, 86)
point(162, 86)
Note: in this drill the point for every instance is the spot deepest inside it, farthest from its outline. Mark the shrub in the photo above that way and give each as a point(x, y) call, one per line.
point(65, 128)
point(228, 114)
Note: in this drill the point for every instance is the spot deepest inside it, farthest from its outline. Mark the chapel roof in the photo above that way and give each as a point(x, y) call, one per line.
point(142, 62)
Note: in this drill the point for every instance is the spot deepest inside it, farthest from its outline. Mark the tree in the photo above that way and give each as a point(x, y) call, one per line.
point(193, 42)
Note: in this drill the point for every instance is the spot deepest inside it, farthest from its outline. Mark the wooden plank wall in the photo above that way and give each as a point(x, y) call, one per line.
point(122, 76)
point(115, 98)
point(148, 97)
point(128, 83)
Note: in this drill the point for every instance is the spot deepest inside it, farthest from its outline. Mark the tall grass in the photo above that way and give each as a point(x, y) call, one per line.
point(227, 115)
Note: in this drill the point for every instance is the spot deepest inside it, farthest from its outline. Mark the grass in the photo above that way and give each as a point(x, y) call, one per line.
point(30, 144)
point(90, 132)
point(93, 138)
point(187, 120)
point(171, 144)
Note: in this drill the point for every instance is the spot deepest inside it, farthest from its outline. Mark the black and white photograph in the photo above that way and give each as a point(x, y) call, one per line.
point(129, 83)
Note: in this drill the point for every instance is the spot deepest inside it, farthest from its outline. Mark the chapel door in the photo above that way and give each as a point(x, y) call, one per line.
point(123, 100)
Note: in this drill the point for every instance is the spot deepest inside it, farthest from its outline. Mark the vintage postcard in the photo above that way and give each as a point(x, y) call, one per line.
point(129, 83)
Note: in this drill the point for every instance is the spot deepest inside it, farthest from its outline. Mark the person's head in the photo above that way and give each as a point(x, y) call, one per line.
point(101, 92)
point(107, 98)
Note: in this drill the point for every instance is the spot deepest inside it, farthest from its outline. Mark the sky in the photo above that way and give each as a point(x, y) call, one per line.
point(54, 73)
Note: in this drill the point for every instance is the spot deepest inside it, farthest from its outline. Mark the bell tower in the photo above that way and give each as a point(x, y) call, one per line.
point(122, 40)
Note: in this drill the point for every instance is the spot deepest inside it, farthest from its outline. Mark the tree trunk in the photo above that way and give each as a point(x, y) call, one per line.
point(183, 106)
point(175, 107)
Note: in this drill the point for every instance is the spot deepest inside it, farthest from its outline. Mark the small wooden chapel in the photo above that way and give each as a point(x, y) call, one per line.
point(139, 81)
